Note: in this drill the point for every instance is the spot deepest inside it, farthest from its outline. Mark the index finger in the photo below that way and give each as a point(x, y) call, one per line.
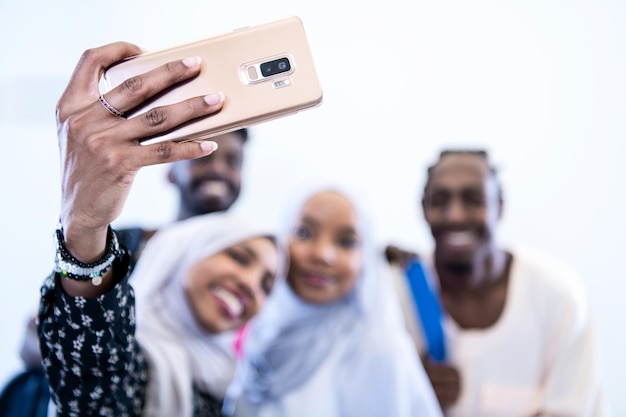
point(83, 85)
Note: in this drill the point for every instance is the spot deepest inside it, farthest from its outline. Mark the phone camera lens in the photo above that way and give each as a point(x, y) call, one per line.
point(276, 66)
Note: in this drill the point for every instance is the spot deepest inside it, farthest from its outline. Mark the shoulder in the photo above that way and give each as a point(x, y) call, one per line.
point(535, 262)
point(130, 236)
point(388, 350)
point(548, 276)
point(391, 380)
point(134, 240)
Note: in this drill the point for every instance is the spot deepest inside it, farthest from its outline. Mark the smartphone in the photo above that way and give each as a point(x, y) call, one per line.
point(265, 72)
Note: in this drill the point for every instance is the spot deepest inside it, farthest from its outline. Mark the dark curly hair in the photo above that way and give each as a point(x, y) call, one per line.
point(479, 153)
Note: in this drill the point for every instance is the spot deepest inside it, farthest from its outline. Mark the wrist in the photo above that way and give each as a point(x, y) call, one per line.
point(69, 266)
point(85, 244)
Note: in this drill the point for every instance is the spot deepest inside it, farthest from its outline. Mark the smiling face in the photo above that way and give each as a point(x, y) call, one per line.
point(325, 249)
point(227, 289)
point(211, 183)
point(462, 205)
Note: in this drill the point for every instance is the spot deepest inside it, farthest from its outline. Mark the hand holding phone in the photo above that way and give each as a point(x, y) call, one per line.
point(265, 72)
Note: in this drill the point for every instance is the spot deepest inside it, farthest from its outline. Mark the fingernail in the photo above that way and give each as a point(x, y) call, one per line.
point(192, 61)
point(214, 98)
point(208, 146)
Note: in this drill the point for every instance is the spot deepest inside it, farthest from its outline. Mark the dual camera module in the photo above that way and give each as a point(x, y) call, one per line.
point(269, 68)
point(277, 66)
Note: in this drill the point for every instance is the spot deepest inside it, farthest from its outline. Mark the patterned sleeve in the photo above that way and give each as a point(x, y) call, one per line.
point(92, 359)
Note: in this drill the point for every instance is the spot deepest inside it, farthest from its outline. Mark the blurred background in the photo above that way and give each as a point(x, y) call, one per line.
point(540, 84)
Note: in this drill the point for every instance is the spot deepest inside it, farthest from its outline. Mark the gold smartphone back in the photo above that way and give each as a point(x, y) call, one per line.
point(265, 72)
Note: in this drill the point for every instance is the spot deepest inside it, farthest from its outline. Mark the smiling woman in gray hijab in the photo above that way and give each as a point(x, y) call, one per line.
point(331, 341)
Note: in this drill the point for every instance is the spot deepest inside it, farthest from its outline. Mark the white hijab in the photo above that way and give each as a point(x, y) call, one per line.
point(180, 353)
point(291, 338)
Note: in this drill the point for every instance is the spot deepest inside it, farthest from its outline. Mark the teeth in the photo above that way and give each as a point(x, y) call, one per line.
point(233, 304)
point(214, 187)
point(459, 238)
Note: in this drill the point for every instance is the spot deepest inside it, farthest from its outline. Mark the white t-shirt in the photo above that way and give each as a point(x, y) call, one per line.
point(541, 354)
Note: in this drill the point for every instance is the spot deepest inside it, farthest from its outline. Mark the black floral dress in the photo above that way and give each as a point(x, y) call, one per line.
point(94, 364)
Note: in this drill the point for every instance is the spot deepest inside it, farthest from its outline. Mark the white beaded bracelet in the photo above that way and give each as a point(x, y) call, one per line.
point(71, 268)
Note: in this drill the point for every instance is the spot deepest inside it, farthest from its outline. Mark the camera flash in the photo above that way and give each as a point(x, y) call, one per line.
point(252, 74)
point(282, 83)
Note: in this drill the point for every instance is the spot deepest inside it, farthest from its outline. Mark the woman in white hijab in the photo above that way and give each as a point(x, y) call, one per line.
point(330, 341)
point(183, 339)
point(197, 283)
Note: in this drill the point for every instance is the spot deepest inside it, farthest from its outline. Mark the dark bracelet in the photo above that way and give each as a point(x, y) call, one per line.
point(71, 268)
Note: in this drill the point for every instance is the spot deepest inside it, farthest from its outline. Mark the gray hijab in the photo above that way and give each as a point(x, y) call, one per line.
point(291, 339)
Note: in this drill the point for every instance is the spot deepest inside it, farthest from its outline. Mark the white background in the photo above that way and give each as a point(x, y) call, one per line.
point(540, 84)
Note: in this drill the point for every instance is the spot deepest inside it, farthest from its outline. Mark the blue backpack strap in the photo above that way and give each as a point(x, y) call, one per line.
point(429, 310)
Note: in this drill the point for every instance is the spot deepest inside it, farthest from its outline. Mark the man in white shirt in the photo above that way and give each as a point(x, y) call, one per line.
point(518, 333)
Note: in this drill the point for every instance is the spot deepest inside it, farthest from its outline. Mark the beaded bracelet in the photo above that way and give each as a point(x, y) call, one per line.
point(71, 268)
